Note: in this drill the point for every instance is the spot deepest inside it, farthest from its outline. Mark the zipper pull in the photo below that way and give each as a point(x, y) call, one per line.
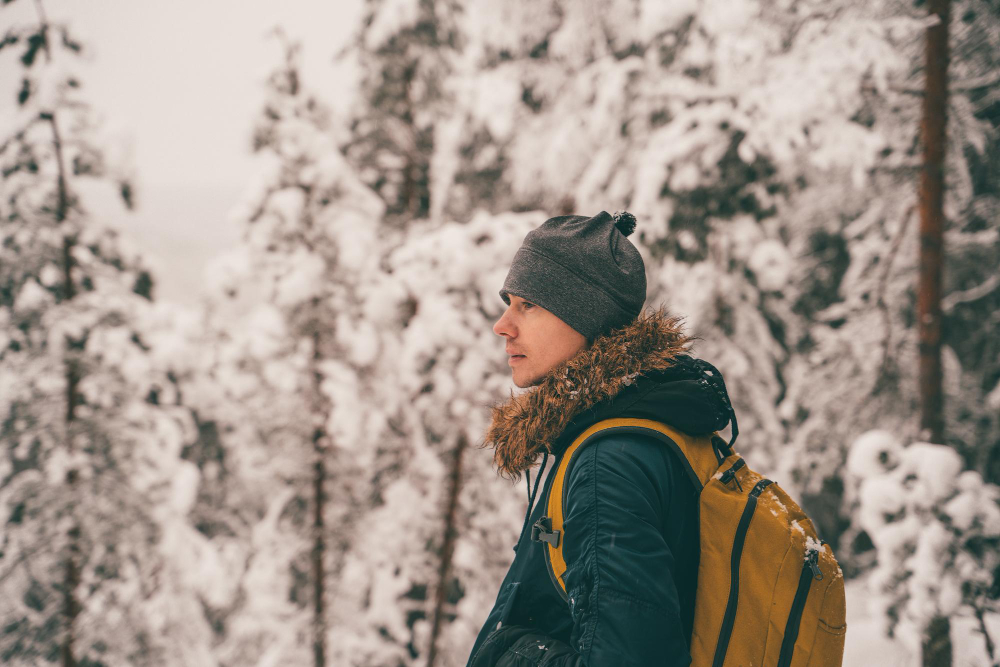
point(730, 475)
point(811, 558)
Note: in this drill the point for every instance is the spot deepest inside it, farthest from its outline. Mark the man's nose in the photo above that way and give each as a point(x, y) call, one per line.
point(503, 327)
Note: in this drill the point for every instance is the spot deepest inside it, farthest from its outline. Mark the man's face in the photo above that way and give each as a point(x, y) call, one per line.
point(536, 340)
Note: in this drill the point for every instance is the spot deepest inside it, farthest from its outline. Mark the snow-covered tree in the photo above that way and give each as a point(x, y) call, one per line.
point(972, 242)
point(405, 51)
point(440, 298)
point(860, 274)
point(91, 428)
point(732, 135)
point(936, 528)
point(283, 379)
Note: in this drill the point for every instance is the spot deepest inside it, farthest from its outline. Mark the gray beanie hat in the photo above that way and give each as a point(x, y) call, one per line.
point(583, 270)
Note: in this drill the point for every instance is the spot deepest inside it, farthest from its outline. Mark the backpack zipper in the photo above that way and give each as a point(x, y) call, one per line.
point(810, 571)
point(730, 474)
point(734, 587)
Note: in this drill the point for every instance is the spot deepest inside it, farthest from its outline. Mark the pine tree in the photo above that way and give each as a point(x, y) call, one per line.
point(91, 425)
point(971, 288)
point(412, 569)
point(861, 286)
point(405, 52)
point(294, 412)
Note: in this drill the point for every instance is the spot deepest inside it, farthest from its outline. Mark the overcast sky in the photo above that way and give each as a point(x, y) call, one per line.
point(179, 85)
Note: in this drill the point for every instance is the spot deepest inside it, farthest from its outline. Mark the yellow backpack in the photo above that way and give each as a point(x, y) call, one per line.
point(770, 593)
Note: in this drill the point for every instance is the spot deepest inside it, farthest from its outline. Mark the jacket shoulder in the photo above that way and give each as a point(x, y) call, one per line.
point(633, 469)
point(617, 454)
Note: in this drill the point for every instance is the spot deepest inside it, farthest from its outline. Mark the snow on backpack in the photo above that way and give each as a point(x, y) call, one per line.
point(770, 592)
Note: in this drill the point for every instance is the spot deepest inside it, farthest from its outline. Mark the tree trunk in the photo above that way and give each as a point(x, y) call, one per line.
point(319, 575)
point(320, 441)
point(937, 643)
point(447, 546)
point(71, 567)
point(932, 224)
point(937, 640)
point(71, 572)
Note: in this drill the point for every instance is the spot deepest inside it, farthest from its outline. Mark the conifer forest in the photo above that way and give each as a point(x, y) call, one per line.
point(286, 468)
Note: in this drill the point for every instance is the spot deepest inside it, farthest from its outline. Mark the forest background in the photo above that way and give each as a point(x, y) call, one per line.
point(278, 464)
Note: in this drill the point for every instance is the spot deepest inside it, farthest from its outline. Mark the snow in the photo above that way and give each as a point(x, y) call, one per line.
point(657, 17)
point(771, 185)
point(867, 643)
point(32, 297)
point(921, 510)
point(993, 398)
point(873, 452)
point(771, 264)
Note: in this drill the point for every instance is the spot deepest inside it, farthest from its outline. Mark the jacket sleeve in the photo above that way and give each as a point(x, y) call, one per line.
point(622, 595)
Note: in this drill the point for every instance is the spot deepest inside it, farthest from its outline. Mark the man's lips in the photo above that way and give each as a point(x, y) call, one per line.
point(514, 358)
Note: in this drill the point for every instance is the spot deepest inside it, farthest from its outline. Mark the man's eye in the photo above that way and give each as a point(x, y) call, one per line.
point(528, 305)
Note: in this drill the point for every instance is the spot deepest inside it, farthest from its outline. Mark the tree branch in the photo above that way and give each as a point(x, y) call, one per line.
point(881, 289)
point(972, 294)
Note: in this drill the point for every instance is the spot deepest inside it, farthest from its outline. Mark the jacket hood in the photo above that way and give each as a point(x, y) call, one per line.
point(639, 370)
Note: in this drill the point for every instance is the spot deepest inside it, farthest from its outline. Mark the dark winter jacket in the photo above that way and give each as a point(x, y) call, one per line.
point(631, 515)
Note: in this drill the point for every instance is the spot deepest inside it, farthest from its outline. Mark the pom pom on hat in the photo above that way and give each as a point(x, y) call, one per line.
point(625, 222)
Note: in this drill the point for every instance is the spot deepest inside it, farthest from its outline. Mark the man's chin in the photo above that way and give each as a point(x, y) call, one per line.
point(530, 381)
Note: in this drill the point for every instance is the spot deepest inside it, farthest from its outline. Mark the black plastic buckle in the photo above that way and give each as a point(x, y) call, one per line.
point(542, 531)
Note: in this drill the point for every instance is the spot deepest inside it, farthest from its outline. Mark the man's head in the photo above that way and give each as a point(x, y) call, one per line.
point(573, 279)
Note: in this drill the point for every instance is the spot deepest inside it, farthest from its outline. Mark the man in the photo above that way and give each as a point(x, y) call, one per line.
point(574, 333)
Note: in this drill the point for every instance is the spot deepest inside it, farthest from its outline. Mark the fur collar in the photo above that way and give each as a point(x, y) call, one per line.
point(528, 424)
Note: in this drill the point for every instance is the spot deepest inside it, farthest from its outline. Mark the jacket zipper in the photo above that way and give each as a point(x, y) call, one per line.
point(734, 586)
point(810, 571)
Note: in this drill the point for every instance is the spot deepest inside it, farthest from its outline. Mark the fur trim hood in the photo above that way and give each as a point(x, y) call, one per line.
point(637, 360)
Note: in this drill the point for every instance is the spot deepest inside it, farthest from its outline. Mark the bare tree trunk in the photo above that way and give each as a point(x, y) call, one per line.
point(932, 223)
point(71, 576)
point(411, 167)
point(937, 643)
point(319, 574)
point(937, 640)
point(320, 441)
point(447, 546)
point(71, 607)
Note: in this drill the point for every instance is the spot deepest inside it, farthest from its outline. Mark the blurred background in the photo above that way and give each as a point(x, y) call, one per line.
point(249, 268)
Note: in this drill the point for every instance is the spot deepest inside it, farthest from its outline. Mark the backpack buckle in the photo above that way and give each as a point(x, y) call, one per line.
point(542, 531)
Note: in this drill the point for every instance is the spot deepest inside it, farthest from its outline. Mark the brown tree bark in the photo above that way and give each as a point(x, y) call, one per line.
point(932, 223)
point(447, 546)
point(937, 636)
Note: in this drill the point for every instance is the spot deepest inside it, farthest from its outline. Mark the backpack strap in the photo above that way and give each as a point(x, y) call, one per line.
point(699, 457)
